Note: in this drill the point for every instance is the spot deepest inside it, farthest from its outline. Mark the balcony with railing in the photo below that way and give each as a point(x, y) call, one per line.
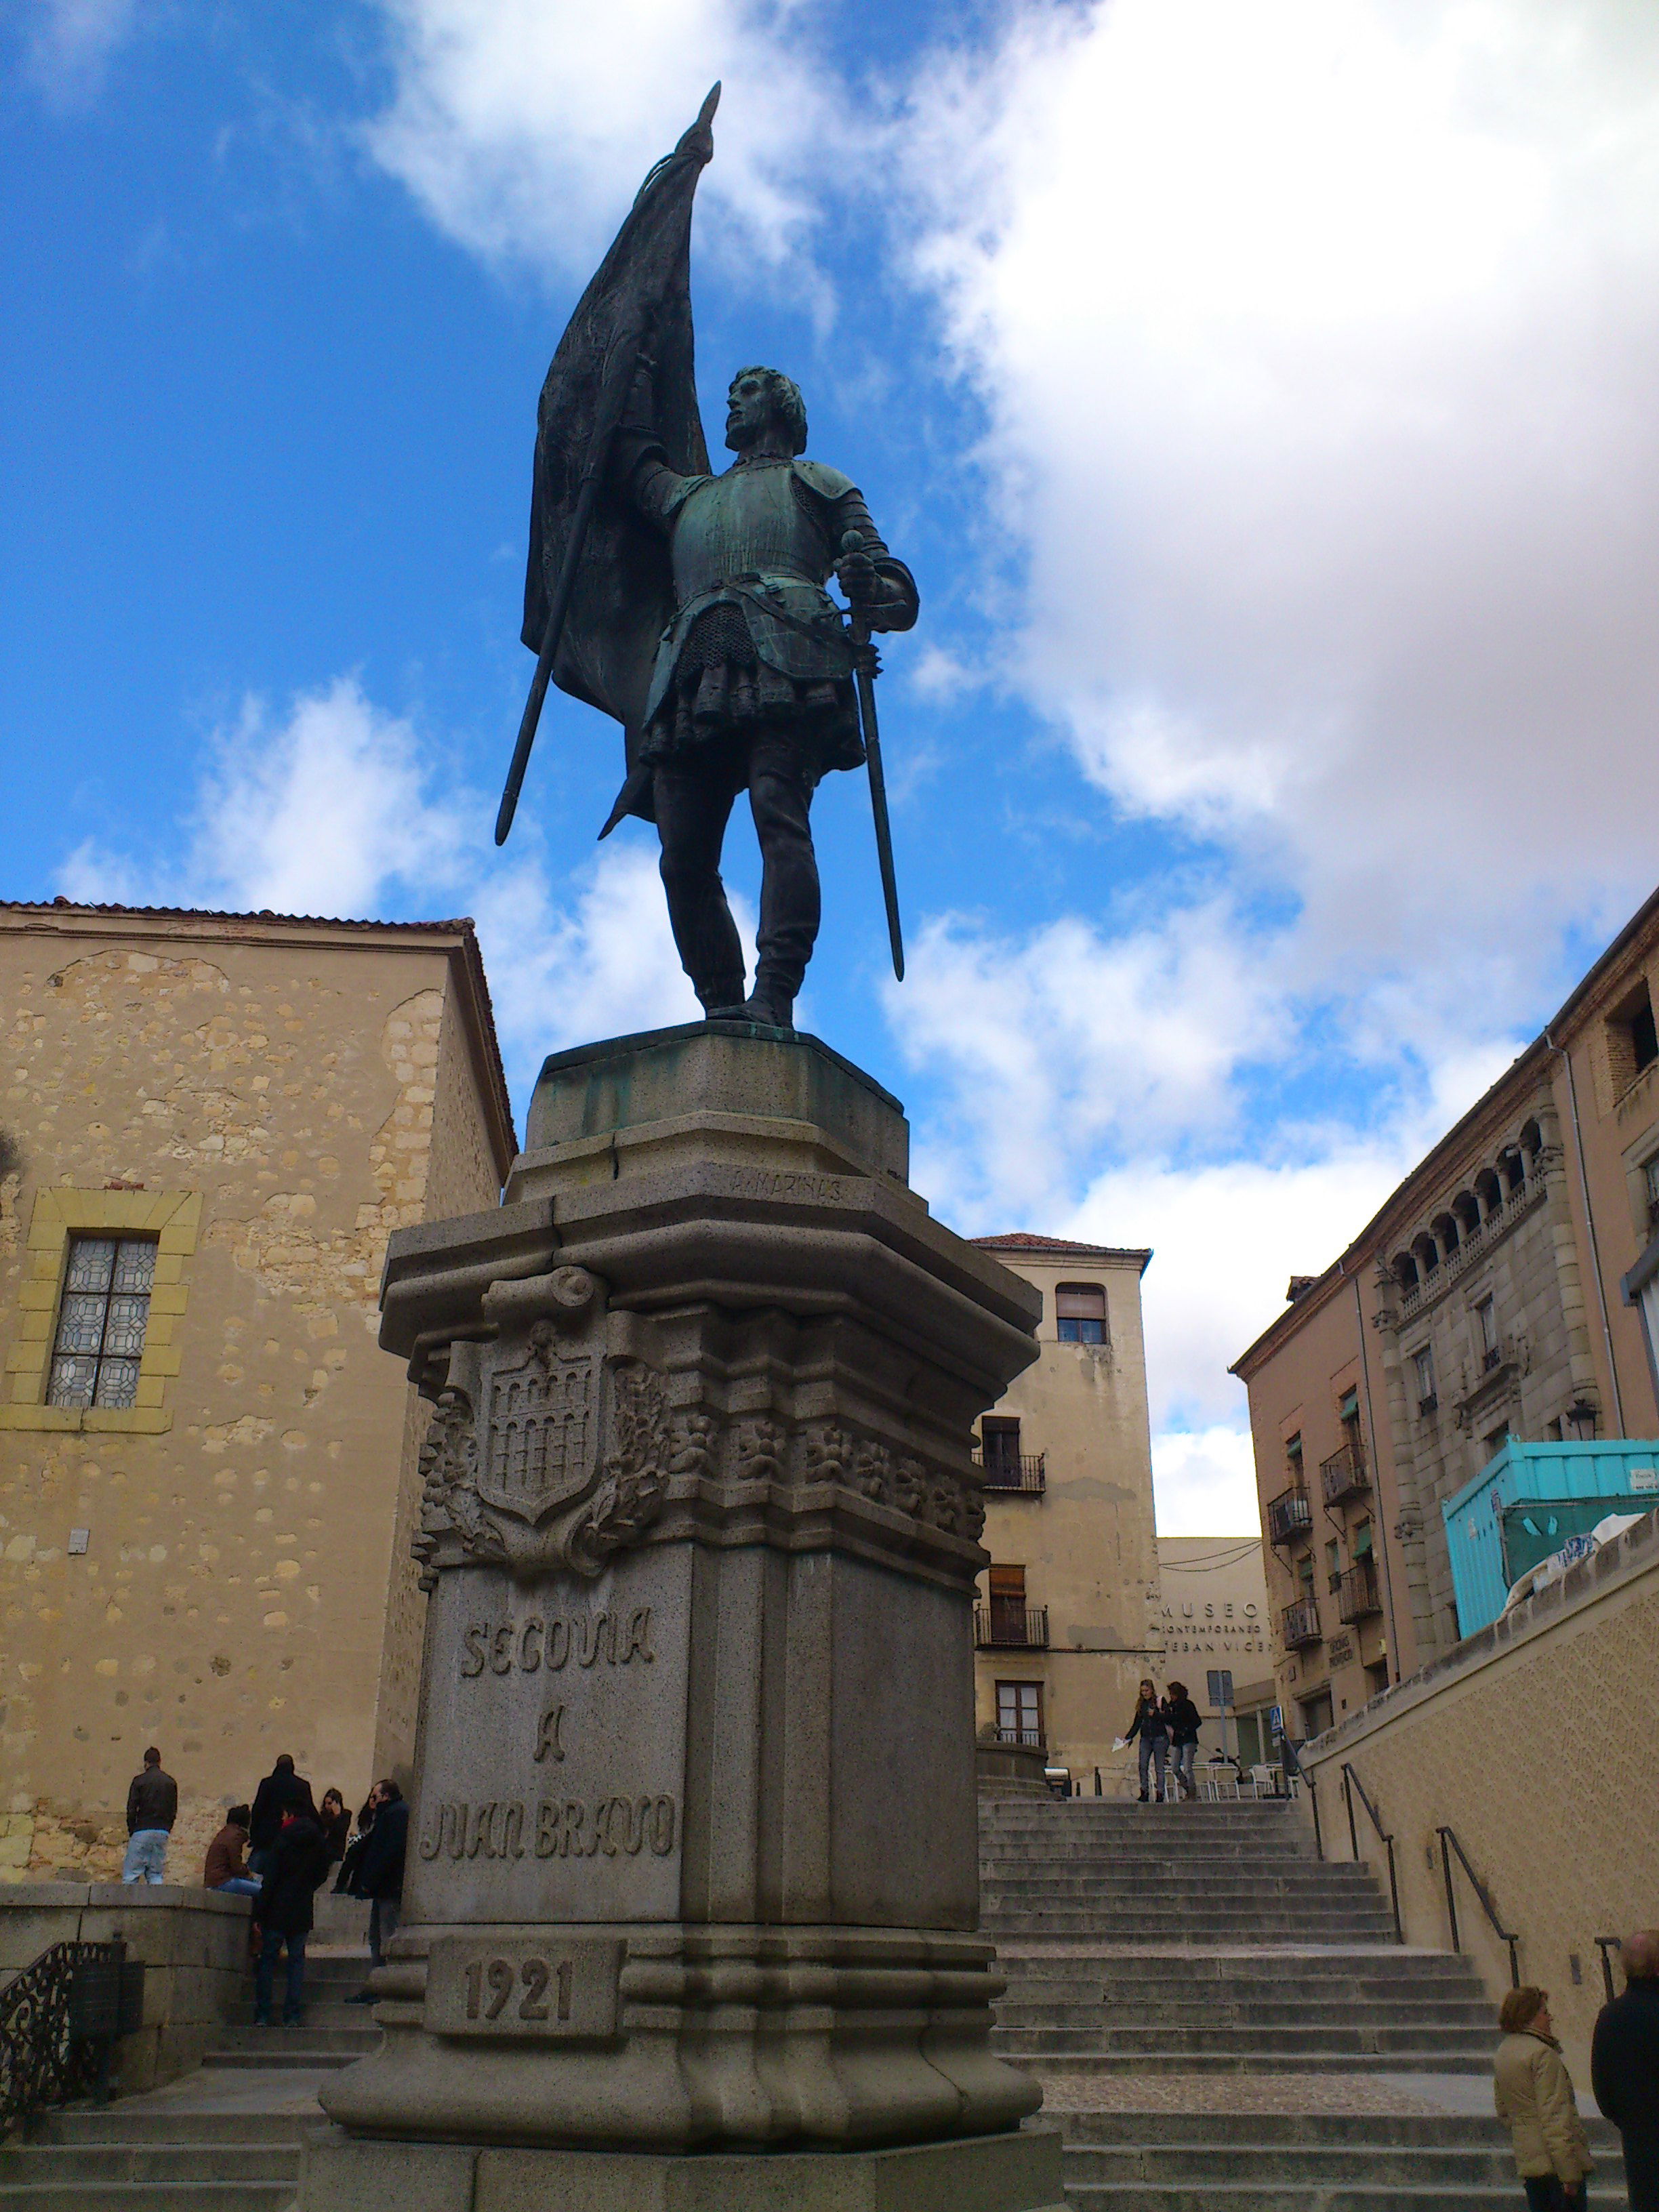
point(1301, 1623)
point(1010, 1624)
point(1344, 1474)
point(1358, 1596)
point(1289, 1514)
point(1020, 1471)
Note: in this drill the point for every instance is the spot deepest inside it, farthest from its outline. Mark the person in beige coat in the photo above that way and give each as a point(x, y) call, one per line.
point(1533, 2091)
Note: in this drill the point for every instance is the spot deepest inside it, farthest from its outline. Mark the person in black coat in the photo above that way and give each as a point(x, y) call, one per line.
point(282, 1792)
point(1624, 2067)
point(1184, 1721)
point(381, 1874)
point(298, 1865)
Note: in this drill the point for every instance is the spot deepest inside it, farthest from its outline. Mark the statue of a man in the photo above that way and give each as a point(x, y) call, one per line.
point(752, 689)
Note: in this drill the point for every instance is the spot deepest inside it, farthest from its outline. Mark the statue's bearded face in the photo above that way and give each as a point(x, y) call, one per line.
point(750, 410)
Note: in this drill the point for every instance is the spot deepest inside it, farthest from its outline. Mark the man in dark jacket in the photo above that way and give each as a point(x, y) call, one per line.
point(282, 1792)
point(300, 1861)
point(152, 1808)
point(381, 1874)
point(1624, 2067)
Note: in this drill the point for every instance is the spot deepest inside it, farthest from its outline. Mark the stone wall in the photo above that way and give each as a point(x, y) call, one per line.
point(193, 1945)
point(1536, 1741)
point(271, 1099)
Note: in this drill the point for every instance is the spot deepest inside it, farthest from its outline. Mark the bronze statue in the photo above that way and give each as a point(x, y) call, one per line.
point(692, 606)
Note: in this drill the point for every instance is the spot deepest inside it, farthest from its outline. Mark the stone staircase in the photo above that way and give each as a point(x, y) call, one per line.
point(1222, 2023)
point(226, 2139)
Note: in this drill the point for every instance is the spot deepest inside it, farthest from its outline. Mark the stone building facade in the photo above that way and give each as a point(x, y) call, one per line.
point(1213, 1619)
point(1065, 1624)
point(210, 1124)
point(1482, 1304)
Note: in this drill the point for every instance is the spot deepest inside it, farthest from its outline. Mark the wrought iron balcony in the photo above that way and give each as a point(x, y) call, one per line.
point(1024, 1472)
point(1359, 1594)
point(1289, 1514)
point(1344, 1474)
point(1301, 1624)
point(1031, 1739)
point(1007, 1626)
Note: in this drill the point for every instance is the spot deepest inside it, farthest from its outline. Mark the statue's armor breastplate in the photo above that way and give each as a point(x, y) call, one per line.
point(746, 522)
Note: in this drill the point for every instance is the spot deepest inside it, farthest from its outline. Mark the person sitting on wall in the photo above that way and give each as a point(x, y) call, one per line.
point(152, 1808)
point(222, 1870)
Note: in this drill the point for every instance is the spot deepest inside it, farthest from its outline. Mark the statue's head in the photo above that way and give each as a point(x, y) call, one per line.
point(763, 401)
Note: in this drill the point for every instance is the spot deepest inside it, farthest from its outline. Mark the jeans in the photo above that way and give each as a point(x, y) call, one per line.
point(265, 1972)
point(382, 1927)
point(240, 1885)
point(1185, 1754)
point(693, 803)
point(258, 1862)
point(147, 1857)
point(1548, 2192)
point(1154, 1747)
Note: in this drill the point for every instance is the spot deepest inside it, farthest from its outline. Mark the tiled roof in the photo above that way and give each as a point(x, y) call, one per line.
point(1022, 1240)
point(461, 925)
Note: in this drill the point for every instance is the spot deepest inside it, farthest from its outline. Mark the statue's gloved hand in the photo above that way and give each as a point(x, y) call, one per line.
point(857, 576)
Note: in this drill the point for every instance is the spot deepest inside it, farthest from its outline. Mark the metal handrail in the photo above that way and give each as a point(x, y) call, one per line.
point(1604, 1944)
point(54, 2045)
point(1448, 1836)
point(1350, 1782)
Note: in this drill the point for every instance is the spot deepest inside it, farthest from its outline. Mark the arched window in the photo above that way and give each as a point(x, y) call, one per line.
point(1532, 1142)
point(1428, 1253)
point(1445, 1233)
point(1467, 1209)
point(1405, 1271)
point(1490, 1192)
point(1513, 1169)
point(1080, 1313)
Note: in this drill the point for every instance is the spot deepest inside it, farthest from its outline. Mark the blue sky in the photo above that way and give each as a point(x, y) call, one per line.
point(1262, 390)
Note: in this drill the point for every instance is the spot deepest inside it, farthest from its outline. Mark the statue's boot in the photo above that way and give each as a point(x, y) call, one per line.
point(773, 999)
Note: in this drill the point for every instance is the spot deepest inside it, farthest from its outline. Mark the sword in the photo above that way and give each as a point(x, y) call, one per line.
point(866, 666)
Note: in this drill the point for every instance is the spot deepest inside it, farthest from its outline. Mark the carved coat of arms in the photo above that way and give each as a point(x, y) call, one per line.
point(545, 1451)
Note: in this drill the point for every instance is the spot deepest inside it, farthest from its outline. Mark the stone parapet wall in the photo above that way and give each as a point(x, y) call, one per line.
point(193, 1943)
point(1536, 1741)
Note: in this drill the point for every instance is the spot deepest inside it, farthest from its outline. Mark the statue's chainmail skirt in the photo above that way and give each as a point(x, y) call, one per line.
point(722, 690)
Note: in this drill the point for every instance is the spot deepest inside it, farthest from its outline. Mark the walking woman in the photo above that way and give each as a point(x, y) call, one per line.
point(1151, 1725)
point(1533, 2091)
point(1184, 1720)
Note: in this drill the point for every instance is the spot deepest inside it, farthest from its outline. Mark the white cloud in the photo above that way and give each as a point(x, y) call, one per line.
point(1205, 1482)
point(71, 40)
point(1318, 341)
point(524, 127)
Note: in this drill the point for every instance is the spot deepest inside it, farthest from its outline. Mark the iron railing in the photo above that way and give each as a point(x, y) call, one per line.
point(1301, 1624)
point(1022, 1472)
point(1289, 1515)
point(1344, 1474)
point(1359, 1594)
point(1031, 1739)
point(1351, 1783)
point(998, 1627)
point(59, 2021)
point(1449, 1837)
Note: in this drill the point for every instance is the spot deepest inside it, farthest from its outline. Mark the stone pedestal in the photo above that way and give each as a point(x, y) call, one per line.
point(693, 1863)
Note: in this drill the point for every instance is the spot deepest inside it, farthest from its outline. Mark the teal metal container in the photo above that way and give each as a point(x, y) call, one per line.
point(1493, 1536)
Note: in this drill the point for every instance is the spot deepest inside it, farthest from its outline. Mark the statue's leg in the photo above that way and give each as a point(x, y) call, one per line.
point(693, 806)
point(780, 782)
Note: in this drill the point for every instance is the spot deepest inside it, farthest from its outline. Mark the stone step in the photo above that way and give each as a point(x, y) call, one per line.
point(359, 2036)
point(1018, 2010)
point(1279, 2196)
point(1261, 1929)
point(1438, 2165)
point(1435, 2059)
point(1297, 1881)
point(130, 2121)
point(1360, 2040)
point(62, 2164)
point(1124, 2125)
point(147, 2196)
point(1068, 1980)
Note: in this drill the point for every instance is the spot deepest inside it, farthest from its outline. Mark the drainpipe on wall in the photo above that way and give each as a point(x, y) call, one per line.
point(1382, 1521)
point(1590, 1223)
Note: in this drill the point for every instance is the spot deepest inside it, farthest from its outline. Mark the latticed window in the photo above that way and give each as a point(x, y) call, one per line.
point(101, 1321)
